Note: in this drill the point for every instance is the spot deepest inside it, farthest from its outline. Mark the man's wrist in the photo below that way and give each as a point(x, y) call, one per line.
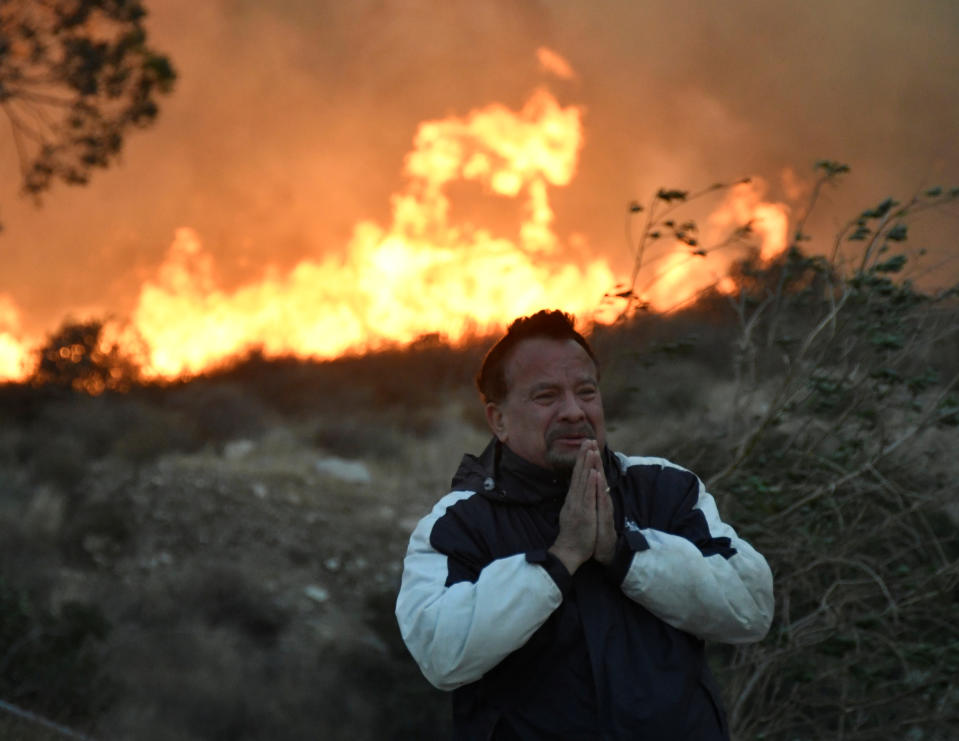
point(570, 559)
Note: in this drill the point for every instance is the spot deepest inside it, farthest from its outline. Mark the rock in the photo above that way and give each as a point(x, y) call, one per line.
point(354, 472)
point(45, 513)
point(236, 449)
point(316, 593)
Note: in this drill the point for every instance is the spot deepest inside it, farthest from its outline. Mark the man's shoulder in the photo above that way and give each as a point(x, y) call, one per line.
point(457, 500)
point(648, 462)
point(458, 509)
point(658, 472)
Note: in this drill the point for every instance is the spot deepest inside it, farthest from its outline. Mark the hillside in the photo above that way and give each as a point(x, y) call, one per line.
point(242, 533)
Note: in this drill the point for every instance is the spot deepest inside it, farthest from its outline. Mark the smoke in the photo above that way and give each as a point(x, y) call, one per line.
point(291, 120)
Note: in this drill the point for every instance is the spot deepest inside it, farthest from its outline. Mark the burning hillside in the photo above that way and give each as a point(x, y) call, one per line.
point(430, 270)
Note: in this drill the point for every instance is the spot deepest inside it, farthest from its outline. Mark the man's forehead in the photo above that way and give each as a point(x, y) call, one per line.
point(539, 360)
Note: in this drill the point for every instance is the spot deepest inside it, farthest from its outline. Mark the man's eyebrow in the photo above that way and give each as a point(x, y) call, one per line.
point(543, 386)
point(550, 385)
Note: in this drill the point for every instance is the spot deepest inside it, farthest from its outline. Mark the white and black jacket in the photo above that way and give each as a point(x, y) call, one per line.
point(611, 652)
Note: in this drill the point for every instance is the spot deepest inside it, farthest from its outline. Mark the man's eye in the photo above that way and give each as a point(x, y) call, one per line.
point(588, 392)
point(544, 396)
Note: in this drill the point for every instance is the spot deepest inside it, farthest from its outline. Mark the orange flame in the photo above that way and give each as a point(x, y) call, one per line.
point(768, 221)
point(425, 272)
point(679, 273)
point(555, 64)
point(14, 358)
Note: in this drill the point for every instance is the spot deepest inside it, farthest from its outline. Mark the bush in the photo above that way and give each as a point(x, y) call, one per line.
point(49, 661)
point(78, 357)
point(832, 483)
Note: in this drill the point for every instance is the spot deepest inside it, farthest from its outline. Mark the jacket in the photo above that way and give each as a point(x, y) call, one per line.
point(611, 652)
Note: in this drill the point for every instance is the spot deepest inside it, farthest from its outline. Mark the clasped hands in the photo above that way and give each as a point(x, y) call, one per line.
point(586, 528)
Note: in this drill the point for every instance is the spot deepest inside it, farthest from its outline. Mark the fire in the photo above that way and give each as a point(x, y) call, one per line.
point(552, 62)
point(768, 221)
point(676, 272)
point(13, 354)
point(425, 272)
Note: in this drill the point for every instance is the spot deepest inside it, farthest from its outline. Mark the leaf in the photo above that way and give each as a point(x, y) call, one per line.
point(831, 167)
point(893, 265)
point(897, 233)
point(671, 195)
point(881, 210)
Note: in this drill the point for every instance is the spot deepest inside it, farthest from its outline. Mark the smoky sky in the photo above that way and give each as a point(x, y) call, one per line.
point(290, 121)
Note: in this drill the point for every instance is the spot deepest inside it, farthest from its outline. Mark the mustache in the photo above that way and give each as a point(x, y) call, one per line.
point(581, 430)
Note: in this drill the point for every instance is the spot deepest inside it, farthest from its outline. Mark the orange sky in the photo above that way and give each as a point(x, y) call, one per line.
point(293, 122)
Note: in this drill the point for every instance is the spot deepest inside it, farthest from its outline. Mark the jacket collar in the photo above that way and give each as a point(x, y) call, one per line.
point(500, 474)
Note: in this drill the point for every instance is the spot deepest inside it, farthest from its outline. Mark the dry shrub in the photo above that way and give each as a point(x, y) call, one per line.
point(832, 482)
point(49, 660)
point(218, 411)
point(67, 431)
point(225, 597)
point(357, 437)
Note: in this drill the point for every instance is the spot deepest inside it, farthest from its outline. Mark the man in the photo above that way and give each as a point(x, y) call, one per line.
point(563, 591)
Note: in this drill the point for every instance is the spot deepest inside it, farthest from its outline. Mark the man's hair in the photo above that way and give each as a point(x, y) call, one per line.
point(553, 325)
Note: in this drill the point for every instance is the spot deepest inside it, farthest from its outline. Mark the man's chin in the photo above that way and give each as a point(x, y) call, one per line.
point(561, 461)
point(562, 457)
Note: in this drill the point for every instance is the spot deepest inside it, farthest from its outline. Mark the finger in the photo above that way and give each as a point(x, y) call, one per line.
point(595, 461)
point(602, 473)
point(605, 547)
point(604, 504)
point(577, 482)
point(592, 489)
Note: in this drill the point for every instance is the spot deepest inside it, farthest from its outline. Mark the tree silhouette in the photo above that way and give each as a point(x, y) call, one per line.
point(75, 77)
point(79, 357)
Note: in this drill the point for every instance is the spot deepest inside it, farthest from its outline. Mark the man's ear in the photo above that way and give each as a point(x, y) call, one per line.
point(496, 420)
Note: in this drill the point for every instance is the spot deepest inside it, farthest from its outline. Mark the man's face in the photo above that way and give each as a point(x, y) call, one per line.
point(553, 403)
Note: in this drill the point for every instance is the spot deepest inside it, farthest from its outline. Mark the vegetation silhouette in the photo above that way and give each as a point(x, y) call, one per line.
point(77, 356)
point(76, 76)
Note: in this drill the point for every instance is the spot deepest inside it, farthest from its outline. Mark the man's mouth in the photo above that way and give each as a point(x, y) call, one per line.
point(570, 437)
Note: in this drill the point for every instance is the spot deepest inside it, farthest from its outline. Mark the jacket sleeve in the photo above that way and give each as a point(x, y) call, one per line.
point(700, 577)
point(459, 617)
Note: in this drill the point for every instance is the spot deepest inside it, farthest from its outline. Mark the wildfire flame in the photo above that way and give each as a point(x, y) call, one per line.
point(677, 271)
point(553, 63)
point(424, 273)
point(14, 363)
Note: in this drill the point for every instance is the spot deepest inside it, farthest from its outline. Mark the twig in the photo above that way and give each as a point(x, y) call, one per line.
point(45, 722)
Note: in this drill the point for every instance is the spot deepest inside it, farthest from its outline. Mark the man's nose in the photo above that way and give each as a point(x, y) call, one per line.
point(572, 408)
